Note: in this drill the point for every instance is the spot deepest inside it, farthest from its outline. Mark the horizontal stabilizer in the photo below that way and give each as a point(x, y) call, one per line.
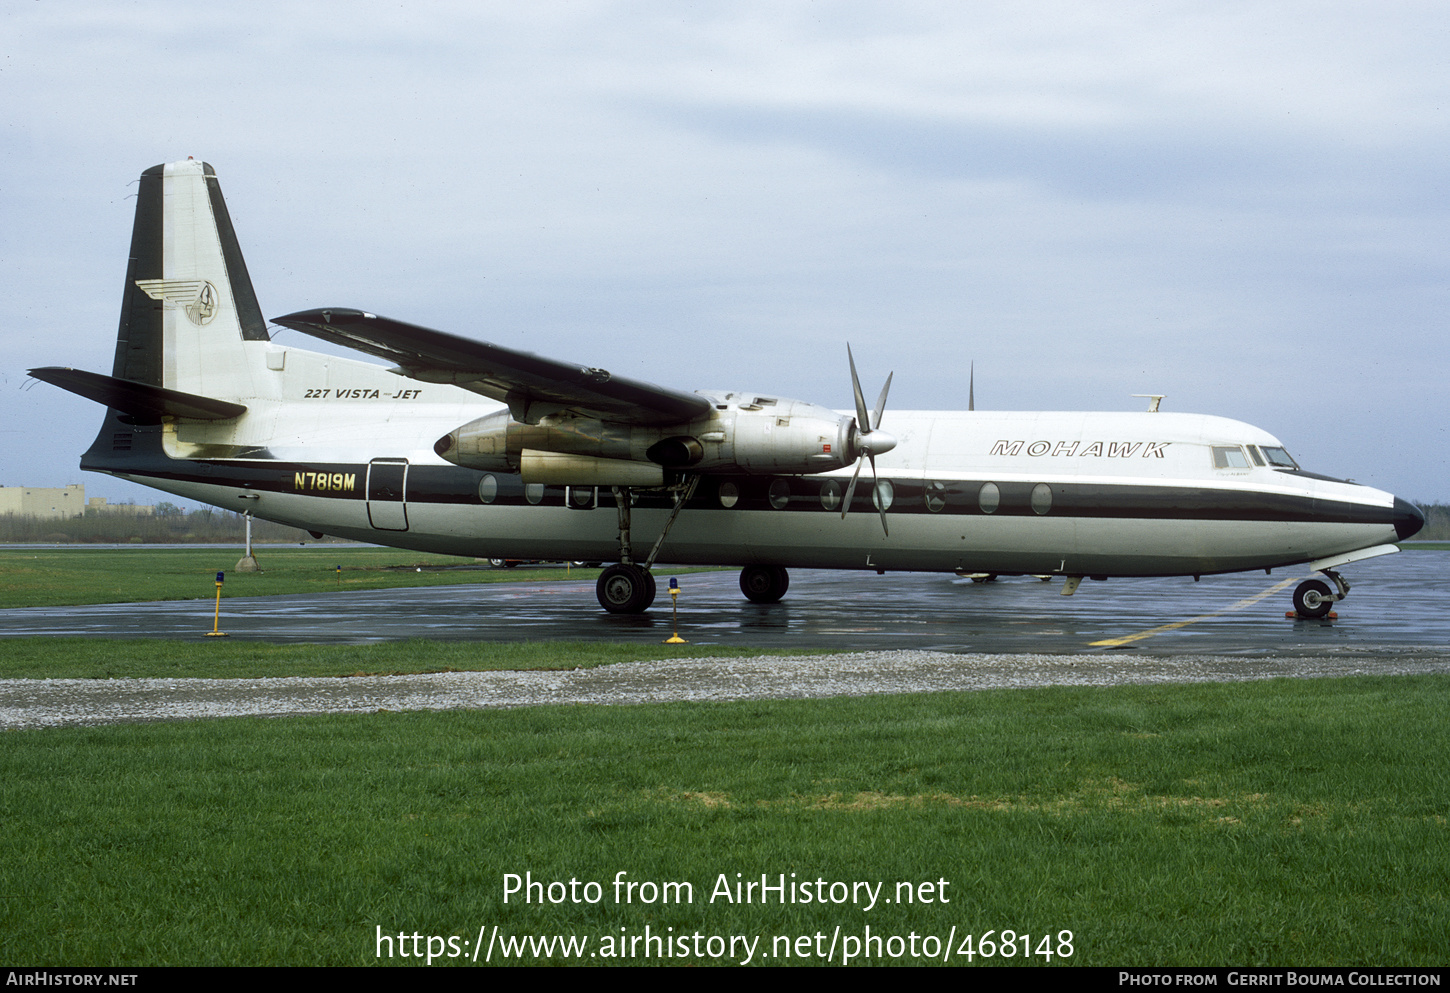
point(531, 385)
point(144, 404)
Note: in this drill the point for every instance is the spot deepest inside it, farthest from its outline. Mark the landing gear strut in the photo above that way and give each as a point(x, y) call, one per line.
point(764, 583)
point(1312, 598)
point(628, 587)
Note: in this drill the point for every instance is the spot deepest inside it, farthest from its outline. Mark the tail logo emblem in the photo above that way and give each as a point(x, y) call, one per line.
point(197, 296)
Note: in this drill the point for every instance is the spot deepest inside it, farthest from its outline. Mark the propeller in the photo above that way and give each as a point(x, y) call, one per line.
point(868, 439)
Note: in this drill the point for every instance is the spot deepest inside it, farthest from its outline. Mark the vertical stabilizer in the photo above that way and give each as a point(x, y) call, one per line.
point(188, 310)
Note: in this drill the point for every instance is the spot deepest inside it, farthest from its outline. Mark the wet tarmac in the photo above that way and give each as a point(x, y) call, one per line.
point(1397, 605)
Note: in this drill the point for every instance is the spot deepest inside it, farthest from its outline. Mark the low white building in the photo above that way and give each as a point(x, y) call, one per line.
point(100, 506)
point(44, 502)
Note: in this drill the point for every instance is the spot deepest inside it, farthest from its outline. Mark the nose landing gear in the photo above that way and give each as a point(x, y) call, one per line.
point(1312, 598)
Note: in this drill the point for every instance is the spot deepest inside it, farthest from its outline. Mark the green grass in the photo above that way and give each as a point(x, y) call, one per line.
point(58, 577)
point(204, 658)
point(80, 575)
point(1285, 822)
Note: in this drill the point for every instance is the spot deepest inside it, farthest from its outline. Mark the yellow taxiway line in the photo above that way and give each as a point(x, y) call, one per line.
point(1114, 642)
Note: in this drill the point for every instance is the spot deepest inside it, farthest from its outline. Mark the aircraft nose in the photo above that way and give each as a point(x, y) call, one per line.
point(1408, 519)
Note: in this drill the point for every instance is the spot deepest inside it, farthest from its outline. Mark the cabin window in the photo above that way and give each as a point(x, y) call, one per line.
point(1041, 498)
point(989, 498)
point(582, 497)
point(488, 488)
point(729, 495)
point(534, 493)
point(1279, 459)
point(779, 494)
point(830, 495)
point(936, 495)
point(883, 494)
point(1229, 457)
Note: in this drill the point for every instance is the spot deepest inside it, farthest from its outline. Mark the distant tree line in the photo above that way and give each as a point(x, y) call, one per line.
point(169, 525)
point(1437, 522)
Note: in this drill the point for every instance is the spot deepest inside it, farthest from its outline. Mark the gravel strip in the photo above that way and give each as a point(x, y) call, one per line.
point(26, 703)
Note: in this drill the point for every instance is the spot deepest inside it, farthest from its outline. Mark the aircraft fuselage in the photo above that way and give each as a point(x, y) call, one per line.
point(1003, 492)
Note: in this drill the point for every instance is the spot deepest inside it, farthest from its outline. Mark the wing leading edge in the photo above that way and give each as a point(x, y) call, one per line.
point(532, 386)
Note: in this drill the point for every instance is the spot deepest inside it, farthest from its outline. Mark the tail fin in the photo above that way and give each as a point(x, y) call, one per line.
point(188, 305)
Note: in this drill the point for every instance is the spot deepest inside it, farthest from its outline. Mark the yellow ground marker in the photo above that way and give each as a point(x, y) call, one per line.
point(1115, 642)
point(216, 618)
point(675, 638)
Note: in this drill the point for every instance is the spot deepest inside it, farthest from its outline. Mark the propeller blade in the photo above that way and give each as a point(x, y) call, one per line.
point(881, 403)
point(876, 497)
point(850, 490)
point(862, 424)
point(865, 445)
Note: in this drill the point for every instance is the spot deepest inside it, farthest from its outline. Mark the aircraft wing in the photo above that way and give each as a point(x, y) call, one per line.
point(532, 386)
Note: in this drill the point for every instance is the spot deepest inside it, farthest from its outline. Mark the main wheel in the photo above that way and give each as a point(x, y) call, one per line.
point(1311, 598)
point(625, 589)
point(764, 583)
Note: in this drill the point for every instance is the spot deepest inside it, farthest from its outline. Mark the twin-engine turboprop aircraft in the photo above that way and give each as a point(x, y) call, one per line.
point(468, 448)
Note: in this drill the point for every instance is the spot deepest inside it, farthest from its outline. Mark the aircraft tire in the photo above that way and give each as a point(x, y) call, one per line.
point(764, 583)
point(625, 589)
point(1311, 598)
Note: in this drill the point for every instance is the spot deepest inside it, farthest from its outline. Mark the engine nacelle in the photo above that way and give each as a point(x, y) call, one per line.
point(497, 442)
point(744, 433)
point(789, 437)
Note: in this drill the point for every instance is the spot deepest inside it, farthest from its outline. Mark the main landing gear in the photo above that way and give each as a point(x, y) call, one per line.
point(1312, 598)
point(625, 588)
point(628, 587)
point(764, 583)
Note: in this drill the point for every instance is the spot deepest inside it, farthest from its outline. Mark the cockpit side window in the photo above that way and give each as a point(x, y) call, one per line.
point(1279, 459)
point(1229, 457)
point(1255, 455)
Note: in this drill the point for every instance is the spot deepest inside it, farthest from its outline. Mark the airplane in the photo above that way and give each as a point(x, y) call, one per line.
point(463, 447)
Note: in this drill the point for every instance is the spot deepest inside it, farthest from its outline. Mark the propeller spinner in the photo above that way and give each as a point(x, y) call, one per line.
point(870, 442)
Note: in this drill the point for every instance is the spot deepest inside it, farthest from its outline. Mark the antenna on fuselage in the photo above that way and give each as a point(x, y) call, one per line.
point(972, 388)
point(1156, 399)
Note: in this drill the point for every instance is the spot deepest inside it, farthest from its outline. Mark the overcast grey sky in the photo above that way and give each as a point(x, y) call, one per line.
point(1240, 205)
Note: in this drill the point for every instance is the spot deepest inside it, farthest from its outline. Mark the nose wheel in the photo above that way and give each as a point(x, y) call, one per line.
point(1312, 598)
